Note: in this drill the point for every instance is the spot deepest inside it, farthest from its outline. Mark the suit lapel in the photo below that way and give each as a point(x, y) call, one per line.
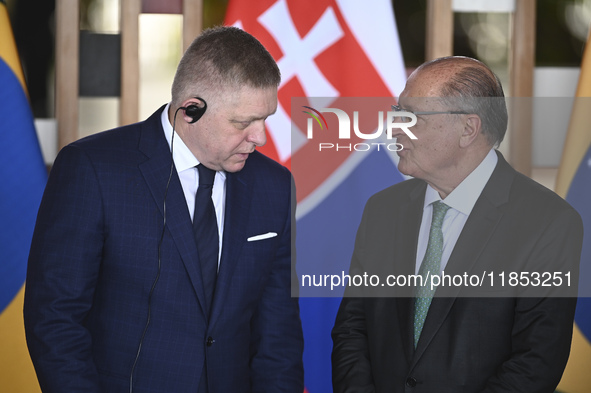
point(238, 197)
point(156, 172)
point(408, 224)
point(474, 238)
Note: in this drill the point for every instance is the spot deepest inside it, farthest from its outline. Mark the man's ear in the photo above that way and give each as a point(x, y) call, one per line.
point(472, 128)
point(193, 109)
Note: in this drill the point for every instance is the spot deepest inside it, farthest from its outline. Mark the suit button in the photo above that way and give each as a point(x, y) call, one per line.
point(210, 341)
point(411, 382)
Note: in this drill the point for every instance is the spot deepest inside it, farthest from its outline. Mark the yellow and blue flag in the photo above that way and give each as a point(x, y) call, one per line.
point(574, 184)
point(22, 179)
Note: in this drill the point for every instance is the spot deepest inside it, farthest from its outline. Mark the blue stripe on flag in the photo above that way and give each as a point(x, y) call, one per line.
point(22, 179)
point(338, 217)
point(578, 197)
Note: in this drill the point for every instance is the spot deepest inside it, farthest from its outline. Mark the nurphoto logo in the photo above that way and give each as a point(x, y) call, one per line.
point(344, 129)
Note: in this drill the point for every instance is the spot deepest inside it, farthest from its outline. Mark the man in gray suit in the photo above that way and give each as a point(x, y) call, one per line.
point(465, 212)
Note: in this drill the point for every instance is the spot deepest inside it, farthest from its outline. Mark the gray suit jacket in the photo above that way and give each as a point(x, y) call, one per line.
point(501, 339)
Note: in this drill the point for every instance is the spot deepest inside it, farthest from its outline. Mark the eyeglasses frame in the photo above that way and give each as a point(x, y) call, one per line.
point(397, 108)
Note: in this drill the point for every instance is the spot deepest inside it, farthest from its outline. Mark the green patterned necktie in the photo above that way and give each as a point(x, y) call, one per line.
point(430, 266)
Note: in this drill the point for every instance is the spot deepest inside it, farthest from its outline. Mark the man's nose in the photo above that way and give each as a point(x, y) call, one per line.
point(257, 134)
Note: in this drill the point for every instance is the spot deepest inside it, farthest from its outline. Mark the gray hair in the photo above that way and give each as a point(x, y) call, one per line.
point(223, 57)
point(474, 88)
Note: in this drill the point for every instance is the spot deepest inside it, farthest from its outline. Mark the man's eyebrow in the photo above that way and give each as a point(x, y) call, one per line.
point(252, 118)
point(409, 104)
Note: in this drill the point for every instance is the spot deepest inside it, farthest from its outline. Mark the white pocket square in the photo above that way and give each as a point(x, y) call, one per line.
point(261, 237)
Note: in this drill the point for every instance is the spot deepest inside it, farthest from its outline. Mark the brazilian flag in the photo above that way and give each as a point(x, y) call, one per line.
point(574, 184)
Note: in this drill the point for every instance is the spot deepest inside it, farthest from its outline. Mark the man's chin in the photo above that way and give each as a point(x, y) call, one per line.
point(235, 166)
point(402, 168)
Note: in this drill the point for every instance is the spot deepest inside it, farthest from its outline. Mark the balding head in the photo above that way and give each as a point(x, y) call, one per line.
point(469, 85)
point(461, 114)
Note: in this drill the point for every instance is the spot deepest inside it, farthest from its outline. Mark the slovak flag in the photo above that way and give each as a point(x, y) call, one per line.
point(327, 50)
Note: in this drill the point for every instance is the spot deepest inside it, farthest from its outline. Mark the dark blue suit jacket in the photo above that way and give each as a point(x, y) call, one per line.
point(94, 259)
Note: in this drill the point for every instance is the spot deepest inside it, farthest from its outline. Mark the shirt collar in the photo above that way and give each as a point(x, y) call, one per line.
point(182, 156)
point(464, 196)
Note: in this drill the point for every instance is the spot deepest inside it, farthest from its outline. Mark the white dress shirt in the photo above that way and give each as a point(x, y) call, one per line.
point(461, 201)
point(186, 166)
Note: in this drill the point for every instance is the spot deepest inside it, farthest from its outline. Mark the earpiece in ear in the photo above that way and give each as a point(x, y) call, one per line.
point(195, 112)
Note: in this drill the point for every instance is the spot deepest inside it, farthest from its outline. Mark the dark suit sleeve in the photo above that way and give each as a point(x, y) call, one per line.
point(542, 328)
point(62, 272)
point(277, 340)
point(351, 366)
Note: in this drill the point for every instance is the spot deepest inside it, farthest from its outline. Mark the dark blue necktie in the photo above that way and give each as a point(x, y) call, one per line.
point(206, 231)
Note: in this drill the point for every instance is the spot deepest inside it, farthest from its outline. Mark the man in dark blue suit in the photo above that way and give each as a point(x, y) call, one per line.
point(121, 296)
